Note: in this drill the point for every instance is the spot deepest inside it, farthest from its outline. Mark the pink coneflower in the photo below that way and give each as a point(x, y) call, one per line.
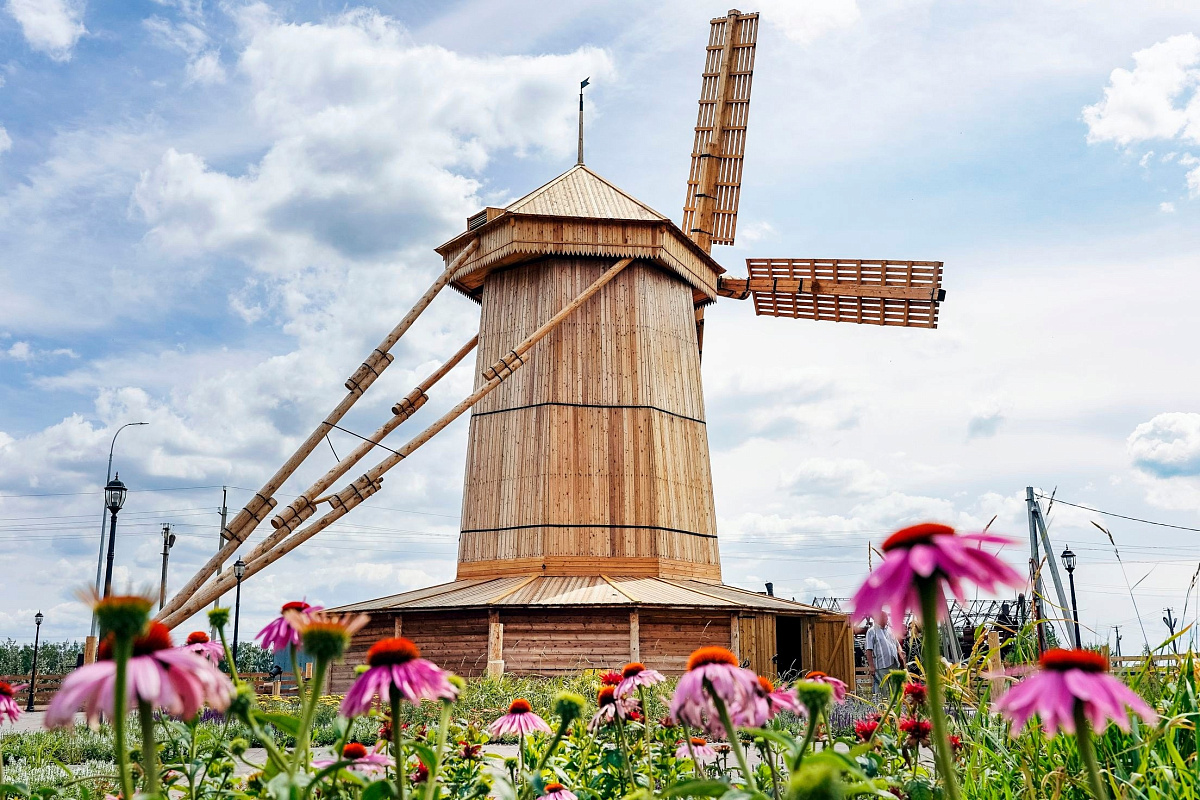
point(556, 791)
point(362, 760)
point(175, 680)
point(738, 689)
point(280, 633)
point(838, 686)
point(9, 707)
point(520, 720)
point(780, 699)
point(1068, 677)
point(927, 550)
point(634, 675)
point(700, 750)
point(198, 642)
point(396, 664)
point(610, 708)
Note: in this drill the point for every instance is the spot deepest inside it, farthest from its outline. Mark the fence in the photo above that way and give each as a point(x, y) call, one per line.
point(46, 686)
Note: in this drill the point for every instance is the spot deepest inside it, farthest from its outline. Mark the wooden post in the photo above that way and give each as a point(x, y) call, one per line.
point(495, 654)
point(735, 635)
point(263, 501)
point(368, 484)
point(276, 685)
point(635, 636)
point(995, 664)
point(399, 620)
point(308, 668)
point(89, 650)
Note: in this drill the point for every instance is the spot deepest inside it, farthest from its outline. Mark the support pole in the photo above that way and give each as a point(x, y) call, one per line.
point(1035, 510)
point(369, 483)
point(1035, 577)
point(263, 501)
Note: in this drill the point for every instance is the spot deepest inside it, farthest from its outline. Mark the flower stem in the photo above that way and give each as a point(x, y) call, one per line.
point(930, 591)
point(397, 742)
point(731, 734)
point(646, 736)
point(150, 783)
point(444, 723)
point(310, 709)
point(1087, 751)
point(122, 649)
point(687, 737)
point(625, 750)
point(228, 654)
point(810, 734)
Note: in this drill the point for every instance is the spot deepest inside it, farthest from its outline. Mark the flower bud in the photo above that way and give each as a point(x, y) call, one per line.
point(218, 618)
point(238, 746)
point(814, 696)
point(569, 706)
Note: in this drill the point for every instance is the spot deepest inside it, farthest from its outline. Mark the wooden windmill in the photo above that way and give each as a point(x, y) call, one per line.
point(589, 532)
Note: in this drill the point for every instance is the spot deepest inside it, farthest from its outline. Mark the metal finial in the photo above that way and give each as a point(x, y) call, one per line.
point(582, 84)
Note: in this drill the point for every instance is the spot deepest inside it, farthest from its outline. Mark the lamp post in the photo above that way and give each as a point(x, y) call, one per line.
point(37, 634)
point(100, 556)
point(239, 571)
point(1068, 560)
point(114, 498)
point(168, 543)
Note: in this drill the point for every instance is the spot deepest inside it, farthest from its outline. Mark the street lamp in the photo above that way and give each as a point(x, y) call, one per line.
point(37, 633)
point(114, 498)
point(100, 556)
point(239, 571)
point(168, 543)
point(1068, 560)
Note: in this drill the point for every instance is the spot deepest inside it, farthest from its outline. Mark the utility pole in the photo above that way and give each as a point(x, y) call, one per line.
point(221, 534)
point(168, 543)
point(1170, 621)
point(1035, 578)
point(1118, 629)
point(1037, 527)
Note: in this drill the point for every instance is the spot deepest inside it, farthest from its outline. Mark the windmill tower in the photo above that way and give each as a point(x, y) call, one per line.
point(588, 533)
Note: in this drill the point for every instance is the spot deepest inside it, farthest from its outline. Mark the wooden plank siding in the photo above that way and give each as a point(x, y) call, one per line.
point(669, 637)
point(756, 642)
point(597, 447)
point(565, 643)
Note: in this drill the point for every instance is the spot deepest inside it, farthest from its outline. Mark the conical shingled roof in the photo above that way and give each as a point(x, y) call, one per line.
point(579, 192)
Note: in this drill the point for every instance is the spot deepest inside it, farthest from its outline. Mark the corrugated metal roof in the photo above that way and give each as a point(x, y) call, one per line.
point(590, 590)
point(579, 192)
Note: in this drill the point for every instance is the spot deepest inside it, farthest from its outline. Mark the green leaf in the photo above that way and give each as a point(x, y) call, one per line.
point(380, 790)
point(284, 722)
point(19, 789)
point(424, 752)
point(697, 788)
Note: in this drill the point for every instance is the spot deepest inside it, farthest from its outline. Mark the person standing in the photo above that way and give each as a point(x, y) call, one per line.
point(883, 651)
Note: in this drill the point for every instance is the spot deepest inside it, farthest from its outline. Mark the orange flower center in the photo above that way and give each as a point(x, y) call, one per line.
point(711, 655)
point(520, 706)
point(815, 675)
point(392, 651)
point(295, 605)
point(766, 684)
point(916, 534)
point(197, 637)
point(632, 668)
point(698, 742)
point(6, 689)
point(554, 787)
point(1060, 660)
point(353, 751)
point(157, 637)
point(606, 696)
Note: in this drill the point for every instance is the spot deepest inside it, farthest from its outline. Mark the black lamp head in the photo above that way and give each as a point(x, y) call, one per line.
point(37, 618)
point(239, 569)
point(1068, 559)
point(114, 494)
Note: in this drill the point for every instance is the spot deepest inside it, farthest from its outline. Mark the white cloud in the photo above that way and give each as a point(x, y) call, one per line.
point(1166, 207)
point(1145, 103)
point(20, 351)
point(986, 419)
point(1193, 182)
point(206, 68)
point(50, 26)
point(805, 21)
point(5, 140)
point(1168, 445)
point(185, 36)
point(836, 476)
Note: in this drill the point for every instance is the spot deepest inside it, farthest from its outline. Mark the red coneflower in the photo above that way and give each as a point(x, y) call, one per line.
point(634, 675)
point(915, 692)
point(280, 633)
point(198, 642)
point(610, 678)
point(9, 707)
point(864, 729)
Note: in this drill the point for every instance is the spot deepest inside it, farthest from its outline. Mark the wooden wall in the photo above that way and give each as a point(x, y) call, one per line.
point(342, 675)
point(565, 642)
point(454, 640)
point(669, 637)
point(597, 447)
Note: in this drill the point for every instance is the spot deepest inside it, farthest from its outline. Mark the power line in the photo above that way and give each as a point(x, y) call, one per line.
point(1122, 516)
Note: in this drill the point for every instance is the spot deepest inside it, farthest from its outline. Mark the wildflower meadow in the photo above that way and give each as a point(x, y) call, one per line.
point(179, 723)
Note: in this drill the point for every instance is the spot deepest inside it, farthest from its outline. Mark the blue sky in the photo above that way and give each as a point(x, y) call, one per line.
point(210, 211)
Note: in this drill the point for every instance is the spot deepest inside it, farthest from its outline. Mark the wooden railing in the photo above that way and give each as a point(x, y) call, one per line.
point(46, 686)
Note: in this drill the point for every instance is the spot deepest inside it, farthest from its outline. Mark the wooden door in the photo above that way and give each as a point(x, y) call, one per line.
point(756, 642)
point(833, 647)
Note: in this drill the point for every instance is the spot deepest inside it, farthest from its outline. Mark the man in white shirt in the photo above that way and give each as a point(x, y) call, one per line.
point(883, 651)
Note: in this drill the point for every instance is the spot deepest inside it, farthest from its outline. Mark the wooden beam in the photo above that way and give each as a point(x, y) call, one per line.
point(263, 501)
point(369, 483)
point(618, 589)
point(706, 191)
point(741, 288)
point(304, 506)
point(495, 652)
point(513, 590)
point(635, 636)
point(398, 620)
